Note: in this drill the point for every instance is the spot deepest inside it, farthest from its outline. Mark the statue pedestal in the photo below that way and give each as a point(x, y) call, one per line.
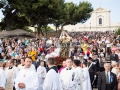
point(59, 60)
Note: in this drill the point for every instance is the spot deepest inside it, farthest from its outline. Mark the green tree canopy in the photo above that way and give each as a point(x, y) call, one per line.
point(21, 13)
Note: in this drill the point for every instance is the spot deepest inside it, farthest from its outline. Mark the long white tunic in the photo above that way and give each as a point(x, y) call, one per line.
point(41, 71)
point(80, 77)
point(86, 80)
point(52, 81)
point(68, 79)
point(2, 78)
point(11, 75)
point(29, 77)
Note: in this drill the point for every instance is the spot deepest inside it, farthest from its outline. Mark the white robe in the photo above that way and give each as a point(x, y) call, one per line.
point(11, 73)
point(2, 78)
point(80, 77)
point(114, 70)
point(29, 77)
point(52, 81)
point(86, 80)
point(66, 79)
point(20, 67)
point(41, 75)
point(33, 67)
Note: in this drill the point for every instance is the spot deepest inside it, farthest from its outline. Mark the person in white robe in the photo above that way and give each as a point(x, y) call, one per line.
point(11, 75)
point(21, 66)
point(41, 71)
point(2, 78)
point(52, 79)
point(33, 67)
point(114, 70)
point(76, 65)
point(27, 78)
point(68, 77)
point(86, 78)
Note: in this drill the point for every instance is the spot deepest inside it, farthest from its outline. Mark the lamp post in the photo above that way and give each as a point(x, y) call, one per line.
point(90, 25)
point(35, 29)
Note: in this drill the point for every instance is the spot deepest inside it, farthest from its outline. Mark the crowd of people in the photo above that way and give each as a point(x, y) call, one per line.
point(29, 64)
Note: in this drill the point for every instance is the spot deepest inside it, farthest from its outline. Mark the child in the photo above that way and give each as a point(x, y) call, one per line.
point(41, 71)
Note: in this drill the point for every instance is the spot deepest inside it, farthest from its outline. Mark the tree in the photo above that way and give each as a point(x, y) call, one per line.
point(73, 14)
point(43, 12)
point(12, 11)
point(117, 32)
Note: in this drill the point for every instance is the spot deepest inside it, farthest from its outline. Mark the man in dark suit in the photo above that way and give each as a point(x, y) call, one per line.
point(97, 66)
point(92, 70)
point(107, 79)
point(114, 57)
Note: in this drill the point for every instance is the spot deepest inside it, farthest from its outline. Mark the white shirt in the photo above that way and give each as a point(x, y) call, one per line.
point(108, 74)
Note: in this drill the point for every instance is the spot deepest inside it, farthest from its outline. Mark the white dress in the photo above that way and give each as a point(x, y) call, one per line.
point(41, 75)
point(86, 80)
point(2, 78)
point(29, 77)
point(52, 81)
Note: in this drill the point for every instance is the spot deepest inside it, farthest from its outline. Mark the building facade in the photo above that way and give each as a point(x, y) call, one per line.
point(99, 21)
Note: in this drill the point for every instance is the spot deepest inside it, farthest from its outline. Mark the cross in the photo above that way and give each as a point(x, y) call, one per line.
point(100, 4)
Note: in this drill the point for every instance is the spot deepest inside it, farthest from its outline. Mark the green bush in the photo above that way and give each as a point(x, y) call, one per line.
point(117, 32)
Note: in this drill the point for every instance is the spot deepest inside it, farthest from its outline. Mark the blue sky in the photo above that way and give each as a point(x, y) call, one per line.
point(112, 5)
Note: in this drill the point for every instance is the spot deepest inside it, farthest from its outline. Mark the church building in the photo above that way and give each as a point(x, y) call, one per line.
point(99, 21)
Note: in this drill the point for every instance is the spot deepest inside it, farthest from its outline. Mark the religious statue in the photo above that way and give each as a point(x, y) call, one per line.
point(64, 44)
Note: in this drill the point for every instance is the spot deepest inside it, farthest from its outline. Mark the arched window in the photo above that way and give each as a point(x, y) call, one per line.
point(100, 20)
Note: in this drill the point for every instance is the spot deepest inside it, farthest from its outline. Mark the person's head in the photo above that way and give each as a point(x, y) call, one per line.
point(113, 52)
point(76, 63)
point(118, 68)
point(4, 65)
point(41, 63)
point(64, 64)
point(84, 64)
point(89, 59)
point(15, 62)
point(50, 62)
point(107, 67)
point(10, 63)
point(22, 61)
point(2, 54)
point(28, 62)
point(68, 63)
point(114, 64)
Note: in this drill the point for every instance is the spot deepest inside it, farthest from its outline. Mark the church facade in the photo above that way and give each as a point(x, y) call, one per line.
point(99, 21)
